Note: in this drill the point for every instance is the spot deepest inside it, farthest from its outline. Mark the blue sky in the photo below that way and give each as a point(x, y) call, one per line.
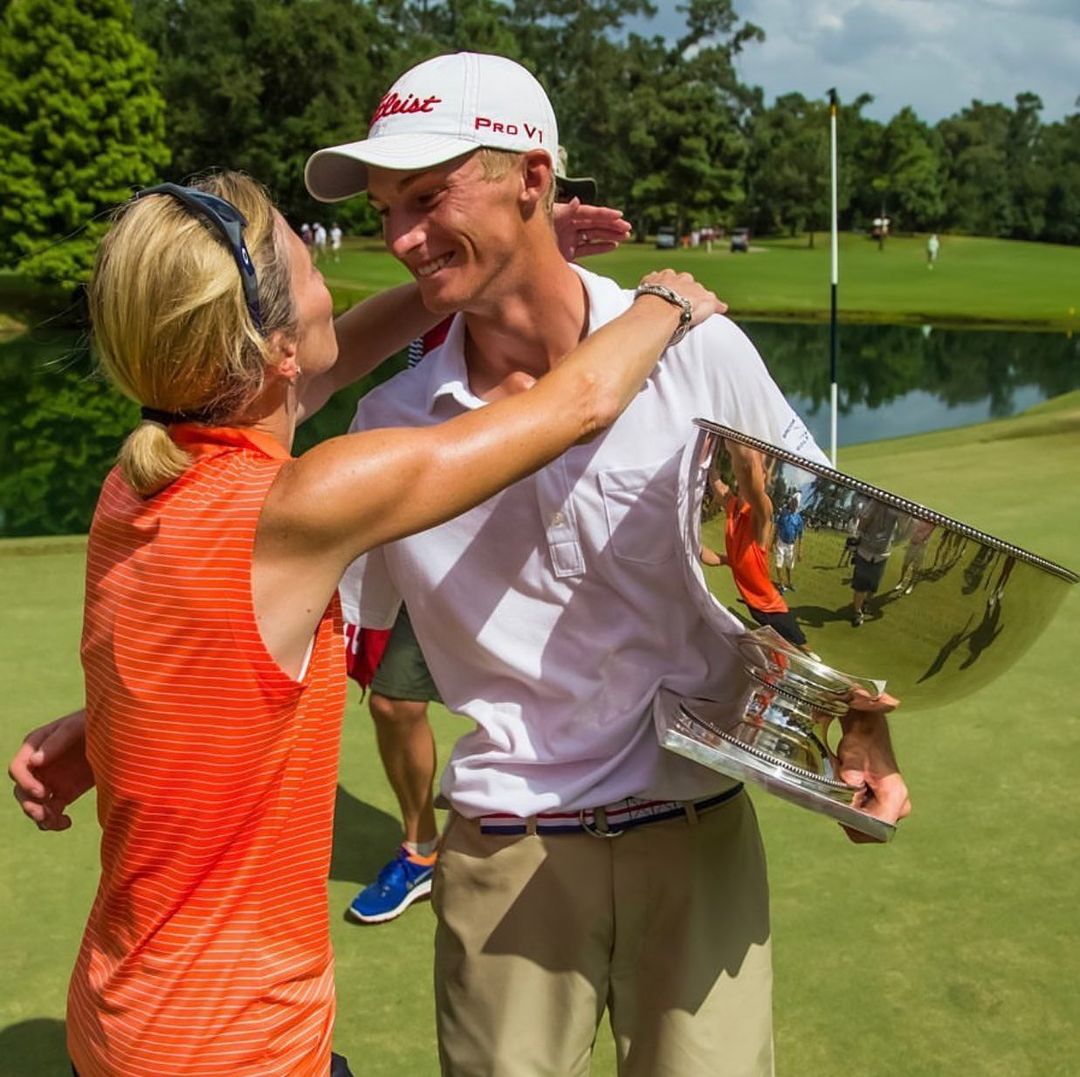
point(935, 55)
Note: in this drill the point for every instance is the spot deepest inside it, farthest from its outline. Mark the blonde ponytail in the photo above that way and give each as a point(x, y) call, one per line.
point(149, 459)
point(170, 324)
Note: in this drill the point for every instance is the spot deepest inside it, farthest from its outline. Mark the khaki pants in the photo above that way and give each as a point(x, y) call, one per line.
point(666, 926)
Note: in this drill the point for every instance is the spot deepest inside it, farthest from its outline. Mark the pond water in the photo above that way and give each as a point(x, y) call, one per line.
point(60, 424)
point(897, 380)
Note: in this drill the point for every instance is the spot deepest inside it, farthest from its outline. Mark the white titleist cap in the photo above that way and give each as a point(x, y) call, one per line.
point(437, 111)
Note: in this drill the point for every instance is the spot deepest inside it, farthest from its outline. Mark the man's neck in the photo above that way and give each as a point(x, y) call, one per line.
point(524, 331)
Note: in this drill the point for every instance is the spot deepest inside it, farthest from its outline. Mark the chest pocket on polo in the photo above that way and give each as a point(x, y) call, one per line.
point(639, 506)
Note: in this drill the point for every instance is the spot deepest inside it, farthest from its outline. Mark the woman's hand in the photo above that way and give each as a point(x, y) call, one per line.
point(703, 302)
point(50, 771)
point(582, 230)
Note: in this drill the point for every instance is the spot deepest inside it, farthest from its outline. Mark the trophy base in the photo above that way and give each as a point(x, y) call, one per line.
point(740, 748)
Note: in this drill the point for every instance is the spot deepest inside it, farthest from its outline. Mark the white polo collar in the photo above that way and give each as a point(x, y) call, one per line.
point(447, 373)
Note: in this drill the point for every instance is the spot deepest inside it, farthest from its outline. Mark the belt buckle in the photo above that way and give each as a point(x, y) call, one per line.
point(590, 827)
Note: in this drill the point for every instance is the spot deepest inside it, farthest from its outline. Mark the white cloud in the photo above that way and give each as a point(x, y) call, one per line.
point(935, 55)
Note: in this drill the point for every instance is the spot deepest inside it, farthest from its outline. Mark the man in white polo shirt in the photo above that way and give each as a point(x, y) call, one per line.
point(582, 867)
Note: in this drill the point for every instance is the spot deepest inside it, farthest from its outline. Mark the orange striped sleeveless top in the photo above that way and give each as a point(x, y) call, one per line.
point(748, 561)
point(207, 951)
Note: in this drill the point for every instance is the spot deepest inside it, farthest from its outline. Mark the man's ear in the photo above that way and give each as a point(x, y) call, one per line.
point(537, 176)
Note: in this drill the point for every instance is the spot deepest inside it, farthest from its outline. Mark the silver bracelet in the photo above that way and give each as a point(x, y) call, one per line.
point(684, 305)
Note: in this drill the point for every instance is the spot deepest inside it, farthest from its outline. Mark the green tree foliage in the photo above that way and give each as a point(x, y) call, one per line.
point(577, 52)
point(658, 123)
point(1060, 146)
point(81, 123)
point(259, 84)
point(665, 125)
point(1029, 179)
point(1007, 174)
point(987, 170)
point(977, 182)
point(694, 122)
point(417, 30)
point(60, 427)
point(908, 172)
point(788, 168)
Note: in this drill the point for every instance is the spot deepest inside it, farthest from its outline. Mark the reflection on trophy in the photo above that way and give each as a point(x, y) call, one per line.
point(831, 574)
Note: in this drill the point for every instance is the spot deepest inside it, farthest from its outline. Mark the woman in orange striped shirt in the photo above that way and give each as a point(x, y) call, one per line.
point(747, 534)
point(211, 643)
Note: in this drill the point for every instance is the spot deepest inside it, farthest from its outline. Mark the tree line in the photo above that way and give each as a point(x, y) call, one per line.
point(99, 97)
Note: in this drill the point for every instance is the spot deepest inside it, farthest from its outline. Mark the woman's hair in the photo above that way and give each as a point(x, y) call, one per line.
point(169, 321)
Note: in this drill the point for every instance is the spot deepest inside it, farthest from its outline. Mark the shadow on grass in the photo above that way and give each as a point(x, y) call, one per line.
point(37, 1046)
point(365, 837)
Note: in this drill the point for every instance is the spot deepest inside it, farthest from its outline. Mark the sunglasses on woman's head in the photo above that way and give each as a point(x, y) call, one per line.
point(229, 222)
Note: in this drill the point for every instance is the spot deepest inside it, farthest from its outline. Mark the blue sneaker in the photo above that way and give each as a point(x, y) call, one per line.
point(400, 883)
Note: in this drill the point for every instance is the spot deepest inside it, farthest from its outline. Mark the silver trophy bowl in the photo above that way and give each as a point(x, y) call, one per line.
point(880, 594)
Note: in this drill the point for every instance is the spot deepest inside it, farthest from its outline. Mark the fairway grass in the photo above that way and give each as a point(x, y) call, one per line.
point(976, 281)
point(953, 951)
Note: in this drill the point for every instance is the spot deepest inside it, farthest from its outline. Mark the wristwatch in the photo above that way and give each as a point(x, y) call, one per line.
point(684, 305)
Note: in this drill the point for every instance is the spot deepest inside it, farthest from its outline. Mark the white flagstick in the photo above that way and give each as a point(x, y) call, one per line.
point(835, 280)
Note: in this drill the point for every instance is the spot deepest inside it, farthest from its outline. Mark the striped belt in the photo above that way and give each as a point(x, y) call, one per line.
point(608, 822)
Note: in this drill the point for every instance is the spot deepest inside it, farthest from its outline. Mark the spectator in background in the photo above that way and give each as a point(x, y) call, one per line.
point(878, 525)
point(933, 245)
point(914, 555)
point(788, 545)
point(319, 237)
point(335, 241)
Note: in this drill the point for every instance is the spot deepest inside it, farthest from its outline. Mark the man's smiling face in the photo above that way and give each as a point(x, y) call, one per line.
point(454, 229)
